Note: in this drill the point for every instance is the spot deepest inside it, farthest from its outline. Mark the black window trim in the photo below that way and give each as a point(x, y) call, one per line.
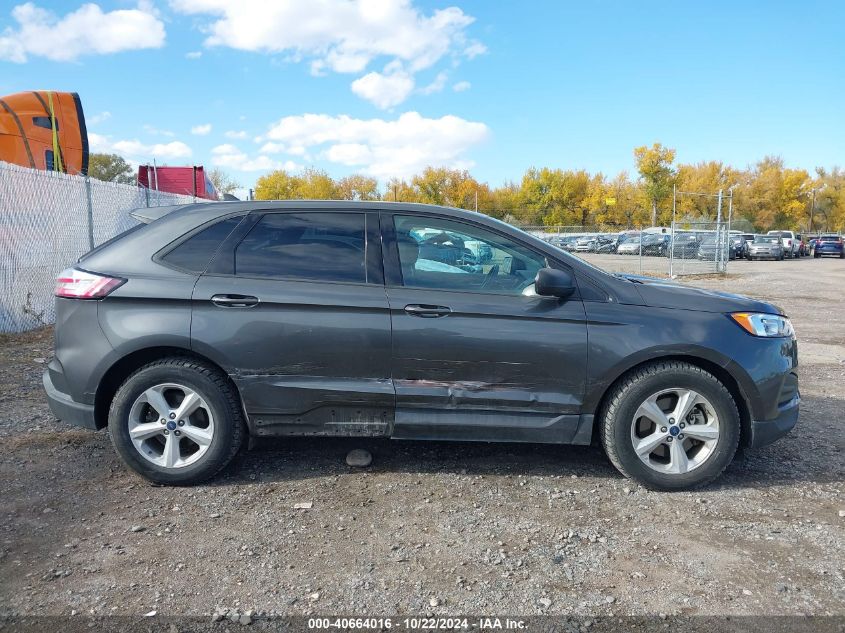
point(392, 268)
point(371, 251)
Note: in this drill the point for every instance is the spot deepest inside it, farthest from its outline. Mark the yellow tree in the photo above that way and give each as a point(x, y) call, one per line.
point(358, 187)
point(316, 184)
point(444, 186)
point(399, 190)
point(829, 211)
point(655, 166)
point(277, 185)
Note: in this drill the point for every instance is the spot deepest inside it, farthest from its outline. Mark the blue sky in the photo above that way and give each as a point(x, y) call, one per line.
point(385, 87)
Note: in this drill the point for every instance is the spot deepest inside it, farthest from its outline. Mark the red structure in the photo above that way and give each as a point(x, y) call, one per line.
point(188, 181)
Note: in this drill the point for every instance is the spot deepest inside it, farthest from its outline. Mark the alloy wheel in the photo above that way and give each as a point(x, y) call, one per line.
point(675, 431)
point(171, 425)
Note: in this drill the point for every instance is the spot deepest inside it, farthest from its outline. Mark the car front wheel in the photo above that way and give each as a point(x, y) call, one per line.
point(176, 421)
point(670, 426)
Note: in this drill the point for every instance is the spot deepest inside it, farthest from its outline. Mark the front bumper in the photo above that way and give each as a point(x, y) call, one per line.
point(765, 432)
point(66, 408)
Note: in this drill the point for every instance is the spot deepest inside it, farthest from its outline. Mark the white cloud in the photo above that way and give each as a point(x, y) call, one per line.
point(201, 130)
point(474, 49)
point(272, 148)
point(193, 55)
point(437, 85)
point(236, 134)
point(342, 36)
point(381, 148)
point(462, 86)
point(230, 157)
point(98, 118)
point(136, 151)
point(384, 90)
point(150, 129)
point(86, 31)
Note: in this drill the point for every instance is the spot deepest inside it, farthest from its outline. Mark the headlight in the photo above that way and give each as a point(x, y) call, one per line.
point(760, 324)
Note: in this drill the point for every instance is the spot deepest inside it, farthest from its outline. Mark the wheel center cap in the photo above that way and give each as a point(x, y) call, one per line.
point(673, 431)
point(172, 425)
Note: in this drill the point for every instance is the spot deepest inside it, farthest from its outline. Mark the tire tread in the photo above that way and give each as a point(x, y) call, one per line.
point(607, 416)
point(225, 388)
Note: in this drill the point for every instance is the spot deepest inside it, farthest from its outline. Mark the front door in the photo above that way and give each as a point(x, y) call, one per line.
point(296, 313)
point(477, 355)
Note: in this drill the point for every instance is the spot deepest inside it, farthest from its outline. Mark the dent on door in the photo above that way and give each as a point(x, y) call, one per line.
point(490, 368)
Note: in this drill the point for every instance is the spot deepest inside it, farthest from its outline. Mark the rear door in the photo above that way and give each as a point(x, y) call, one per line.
point(477, 355)
point(294, 308)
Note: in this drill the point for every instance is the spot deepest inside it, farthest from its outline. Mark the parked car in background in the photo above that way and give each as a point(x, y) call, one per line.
point(631, 246)
point(220, 321)
point(685, 245)
point(565, 242)
point(766, 247)
point(740, 245)
point(709, 247)
point(803, 251)
point(608, 245)
point(596, 243)
point(656, 244)
point(829, 244)
point(790, 243)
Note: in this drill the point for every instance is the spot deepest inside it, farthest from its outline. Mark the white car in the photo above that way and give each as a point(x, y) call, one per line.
point(791, 244)
point(631, 246)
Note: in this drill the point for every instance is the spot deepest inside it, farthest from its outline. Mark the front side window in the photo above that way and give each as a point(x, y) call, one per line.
point(446, 255)
point(306, 246)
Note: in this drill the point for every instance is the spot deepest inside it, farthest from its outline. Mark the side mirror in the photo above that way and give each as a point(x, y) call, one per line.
point(551, 282)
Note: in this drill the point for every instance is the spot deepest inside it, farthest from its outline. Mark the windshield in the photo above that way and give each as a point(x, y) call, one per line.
point(765, 239)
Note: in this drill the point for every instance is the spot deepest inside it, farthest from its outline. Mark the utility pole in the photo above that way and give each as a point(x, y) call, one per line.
point(476, 200)
point(812, 212)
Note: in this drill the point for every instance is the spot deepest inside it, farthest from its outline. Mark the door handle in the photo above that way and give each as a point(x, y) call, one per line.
point(234, 301)
point(427, 311)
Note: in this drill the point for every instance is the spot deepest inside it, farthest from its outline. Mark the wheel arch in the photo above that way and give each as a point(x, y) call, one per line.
point(724, 376)
point(125, 366)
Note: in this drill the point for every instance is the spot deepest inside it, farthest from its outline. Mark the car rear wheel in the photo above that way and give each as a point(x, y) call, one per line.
point(670, 426)
point(176, 421)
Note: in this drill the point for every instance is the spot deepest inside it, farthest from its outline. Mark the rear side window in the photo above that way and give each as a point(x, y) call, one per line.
point(195, 253)
point(307, 246)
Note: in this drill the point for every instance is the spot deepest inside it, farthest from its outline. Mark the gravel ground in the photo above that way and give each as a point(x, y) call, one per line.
point(439, 528)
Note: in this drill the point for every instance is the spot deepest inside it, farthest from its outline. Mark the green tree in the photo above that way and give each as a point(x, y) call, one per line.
point(111, 168)
point(655, 166)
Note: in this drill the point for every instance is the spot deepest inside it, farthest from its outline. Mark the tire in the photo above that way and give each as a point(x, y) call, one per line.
point(219, 408)
point(618, 423)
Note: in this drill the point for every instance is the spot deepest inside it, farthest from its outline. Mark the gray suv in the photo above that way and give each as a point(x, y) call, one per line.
point(210, 322)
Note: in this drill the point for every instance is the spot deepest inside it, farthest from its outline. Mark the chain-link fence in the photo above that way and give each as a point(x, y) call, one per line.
point(49, 219)
point(665, 251)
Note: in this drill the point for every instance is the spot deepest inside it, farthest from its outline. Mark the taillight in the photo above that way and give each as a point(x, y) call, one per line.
point(79, 284)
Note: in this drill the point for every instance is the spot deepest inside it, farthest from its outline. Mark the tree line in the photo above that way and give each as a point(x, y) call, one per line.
point(766, 195)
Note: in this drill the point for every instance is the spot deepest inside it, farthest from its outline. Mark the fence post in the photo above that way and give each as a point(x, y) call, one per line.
point(90, 212)
point(672, 250)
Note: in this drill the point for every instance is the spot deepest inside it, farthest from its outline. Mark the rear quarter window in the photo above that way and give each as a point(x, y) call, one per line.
point(195, 253)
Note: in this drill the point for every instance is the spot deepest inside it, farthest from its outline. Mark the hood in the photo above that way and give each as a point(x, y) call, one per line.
point(666, 293)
